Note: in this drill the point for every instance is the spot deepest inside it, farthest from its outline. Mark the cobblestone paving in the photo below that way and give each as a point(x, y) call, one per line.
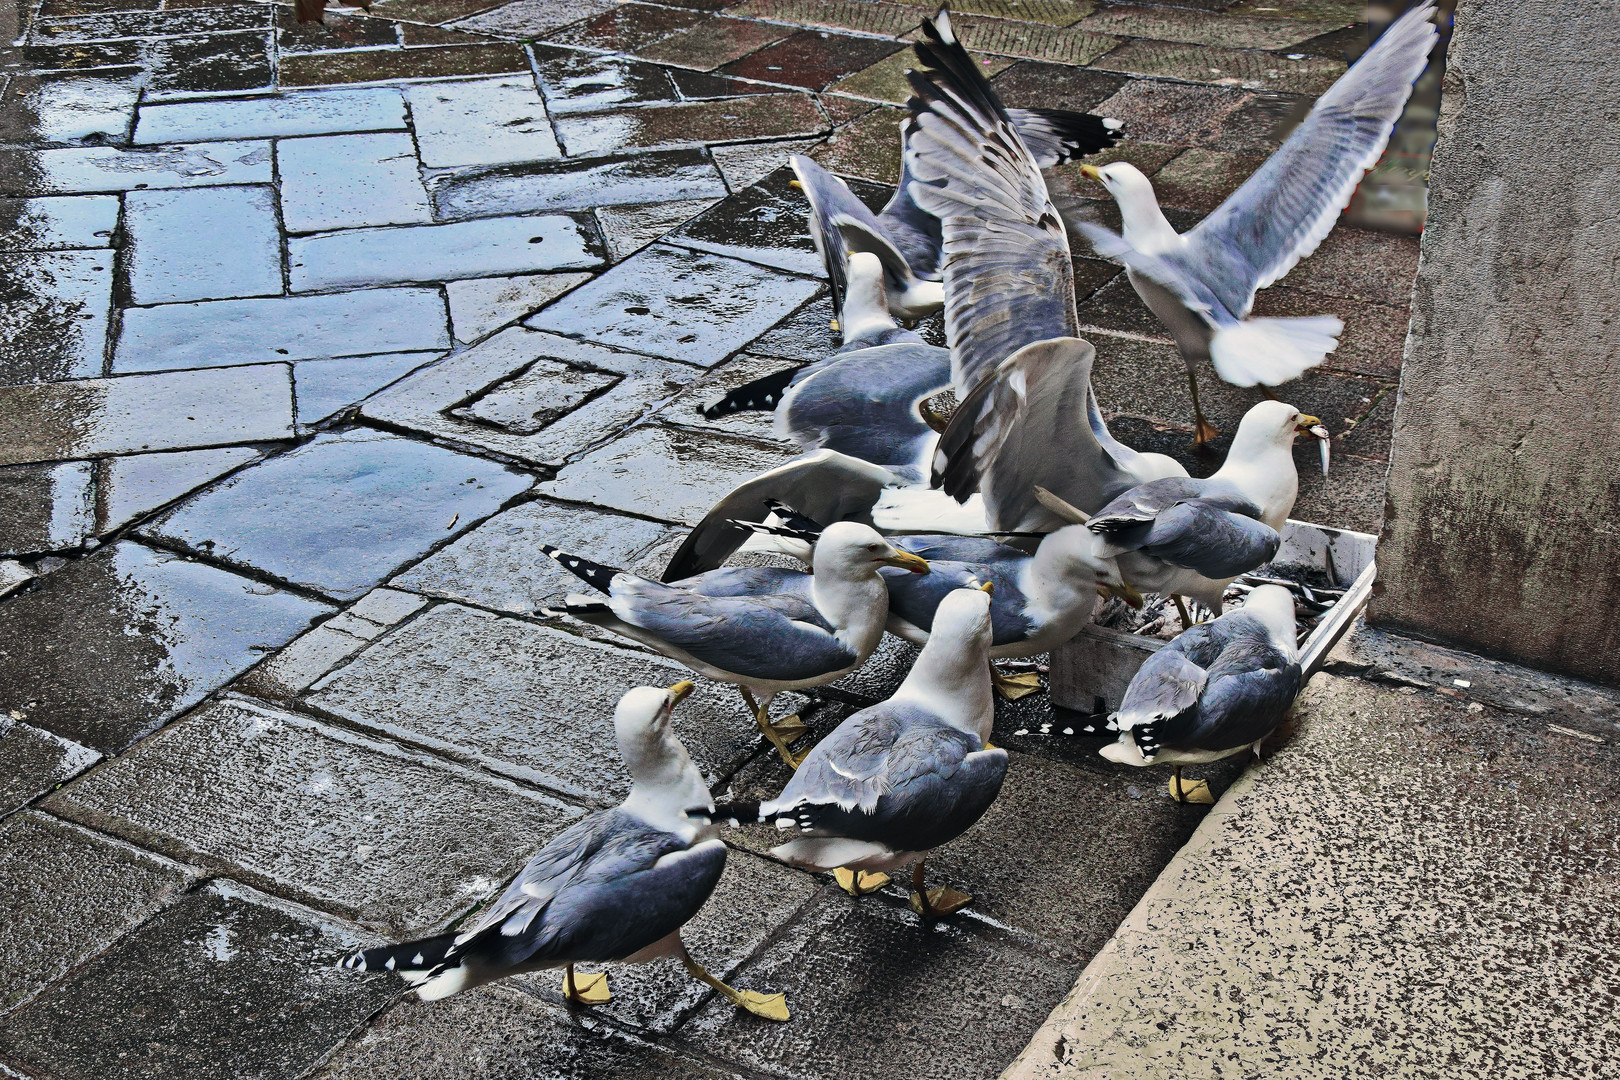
point(314, 333)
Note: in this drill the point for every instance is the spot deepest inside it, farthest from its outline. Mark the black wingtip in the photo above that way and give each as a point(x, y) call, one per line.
point(732, 813)
point(597, 575)
point(763, 393)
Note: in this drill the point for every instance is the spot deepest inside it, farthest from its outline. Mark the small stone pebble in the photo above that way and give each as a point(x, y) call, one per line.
point(1133, 791)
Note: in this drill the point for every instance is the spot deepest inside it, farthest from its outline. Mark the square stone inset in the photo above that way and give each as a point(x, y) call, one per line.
point(525, 700)
point(522, 368)
point(486, 122)
point(202, 244)
point(667, 301)
point(348, 181)
point(313, 113)
point(288, 328)
point(341, 513)
point(400, 840)
point(161, 411)
point(542, 394)
point(462, 249)
point(54, 319)
point(265, 974)
point(112, 645)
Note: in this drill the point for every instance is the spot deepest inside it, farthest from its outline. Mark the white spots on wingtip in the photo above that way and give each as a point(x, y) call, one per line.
point(1111, 124)
point(390, 964)
point(417, 959)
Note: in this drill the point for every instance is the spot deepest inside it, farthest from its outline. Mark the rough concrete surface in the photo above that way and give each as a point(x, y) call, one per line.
point(1411, 887)
point(1504, 481)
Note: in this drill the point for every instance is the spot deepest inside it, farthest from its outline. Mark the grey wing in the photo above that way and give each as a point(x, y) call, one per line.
point(749, 581)
point(914, 231)
point(1025, 426)
point(1251, 687)
point(1008, 276)
point(1054, 136)
point(824, 485)
point(915, 597)
point(847, 768)
point(840, 223)
point(1164, 689)
point(776, 638)
point(865, 404)
point(1289, 205)
point(1143, 503)
point(1214, 542)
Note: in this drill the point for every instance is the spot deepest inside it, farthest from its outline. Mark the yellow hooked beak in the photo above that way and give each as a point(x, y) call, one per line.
point(988, 588)
point(1304, 424)
point(680, 691)
point(905, 560)
point(1091, 172)
point(795, 184)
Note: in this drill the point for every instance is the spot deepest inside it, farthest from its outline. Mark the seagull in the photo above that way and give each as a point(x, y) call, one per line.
point(617, 886)
point(1201, 283)
point(900, 778)
point(905, 238)
point(1213, 692)
point(1181, 536)
point(764, 629)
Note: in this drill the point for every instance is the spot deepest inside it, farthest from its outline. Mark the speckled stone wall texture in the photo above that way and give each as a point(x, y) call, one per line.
point(1412, 888)
point(1504, 484)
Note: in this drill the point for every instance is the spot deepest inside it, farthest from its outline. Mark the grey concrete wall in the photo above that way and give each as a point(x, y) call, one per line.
point(1502, 531)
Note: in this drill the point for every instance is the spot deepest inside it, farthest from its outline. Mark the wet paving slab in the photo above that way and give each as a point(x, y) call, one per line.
point(1032, 84)
point(501, 1031)
point(480, 306)
point(657, 127)
point(32, 762)
point(54, 320)
point(868, 148)
point(336, 30)
point(96, 168)
point(1203, 27)
point(626, 28)
point(765, 223)
point(159, 411)
point(878, 20)
point(127, 24)
point(515, 698)
point(45, 507)
point(498, 565)
point(749, 163)
point(209, 64)
point(287, 328)
point(713, 42)
point(109, 647)
point(574, 81)
point(667, 301)
point(1031, 41)
point(133, 486)
point(66, 107)
point(486, 122)
point(342, 512)
point(533, 18)
point(350, 181)
point(227, 983)
point(628, 229)
point(611, 181)
point(308, 113)
point(323, 388)
point(812, 59)
point(1224, 67)
point(315, 812)
point(666, 473)
point(292, 670)
point(532, 396)
point(885, 80)
point(380, 65)
point(101, 889)
point(463, 249)
point(57, 222)
point(869, 985)
point(202, 244)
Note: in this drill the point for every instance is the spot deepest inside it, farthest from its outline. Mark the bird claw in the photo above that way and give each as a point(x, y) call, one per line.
point(859, 883)
point(589, 989)
point(1204, 432)
point(770, 1006)
point(941, 901)
point(1013, 687)
point(1195, 792)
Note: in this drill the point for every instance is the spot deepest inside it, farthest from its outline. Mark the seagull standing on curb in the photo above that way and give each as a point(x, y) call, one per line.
point(617, 886)
point(1213, 692)
point(1201, 283)
point(768, 631)
point(900, 778)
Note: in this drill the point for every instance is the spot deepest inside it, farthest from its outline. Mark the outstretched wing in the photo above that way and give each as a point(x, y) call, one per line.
point(864, 404)
point(824, 485)
point(1055, 136)
point(1289, 205)
point(1008, 276)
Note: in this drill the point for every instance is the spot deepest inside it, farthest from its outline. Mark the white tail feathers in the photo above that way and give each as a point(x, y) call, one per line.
point(920, 509)
point(1272, 351)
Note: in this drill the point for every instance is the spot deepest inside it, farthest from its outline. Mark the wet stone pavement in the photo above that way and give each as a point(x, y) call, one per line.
point(314, 333)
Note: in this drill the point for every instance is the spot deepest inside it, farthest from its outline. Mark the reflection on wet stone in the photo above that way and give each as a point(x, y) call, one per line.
point(64, 107)
point(348, 181)
point(55, 222)
point(341, 513)
point(66, 171)
point(764, 224)
point(639, 178)
point(128, 487)
point(480, 306)
point(668, 301)
point(53, 319)
point(326, 387)
point(487, 122)
point(32, 761)
point(107, 648)
point(626, 29)
point(316, 112)
point(202, 244)
point(767, 116)
point(44, 507)
point(534, 399)
point(575, 81)
point(215, 63)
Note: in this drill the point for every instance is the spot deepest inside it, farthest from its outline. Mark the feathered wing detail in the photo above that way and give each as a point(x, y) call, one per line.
point(1024, 426)
point(1210, 528)
point(825, 485)
point(840, 223)
point(864, 404)
point(1291, 203)
point(1056, 136)
point(1009, 280)
point(1163, 690)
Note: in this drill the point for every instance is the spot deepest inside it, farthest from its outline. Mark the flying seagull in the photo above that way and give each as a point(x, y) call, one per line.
point(1213, 692)
point(1201, 283)
point(765, 632)
point(900, 778)
point(905, 238)
point(1181, 536)
point(617, 886)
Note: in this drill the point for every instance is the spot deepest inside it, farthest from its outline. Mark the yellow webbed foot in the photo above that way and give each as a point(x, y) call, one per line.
point(769, 1006)
point(941, 901)
point(790, 727)
point(587, 989)
point(859, 883)
point(1013, 687)
point(1191, 791)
